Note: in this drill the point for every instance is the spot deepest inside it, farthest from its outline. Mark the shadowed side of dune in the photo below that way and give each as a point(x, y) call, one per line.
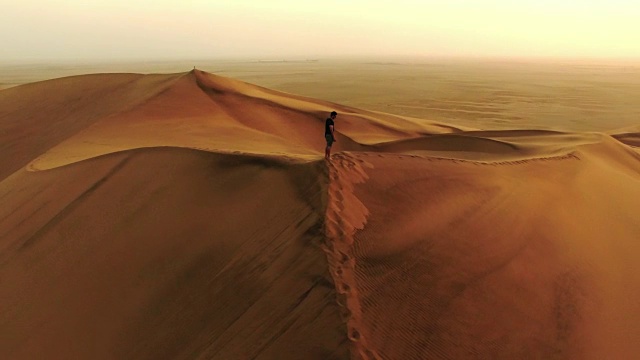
point(632, 139)
point(629, 135)
point(167, 253)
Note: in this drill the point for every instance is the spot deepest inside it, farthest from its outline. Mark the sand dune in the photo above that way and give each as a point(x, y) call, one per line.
point(630, 139)
point(629, 135)
point(167, 253)
point(512, 260)
point(191, 216)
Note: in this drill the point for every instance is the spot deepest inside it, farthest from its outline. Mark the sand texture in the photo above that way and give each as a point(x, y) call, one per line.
point(191, 216)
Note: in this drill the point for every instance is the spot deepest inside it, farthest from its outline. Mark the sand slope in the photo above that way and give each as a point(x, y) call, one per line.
point(514, 260)
point(166, 253)
point(191, 216)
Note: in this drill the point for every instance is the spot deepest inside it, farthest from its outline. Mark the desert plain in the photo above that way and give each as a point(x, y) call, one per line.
point(471, 210)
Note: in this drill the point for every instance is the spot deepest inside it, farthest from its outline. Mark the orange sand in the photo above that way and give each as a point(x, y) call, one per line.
point(191, 216)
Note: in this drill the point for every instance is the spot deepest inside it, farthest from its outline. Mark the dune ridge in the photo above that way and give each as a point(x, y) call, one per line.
point(220, 105)
point(344, 217)
point(191, 216)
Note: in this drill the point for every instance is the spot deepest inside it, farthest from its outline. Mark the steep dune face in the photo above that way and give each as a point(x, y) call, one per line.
point(629, 135)
point(632, 139)
point(190, 216)
point(167, 253)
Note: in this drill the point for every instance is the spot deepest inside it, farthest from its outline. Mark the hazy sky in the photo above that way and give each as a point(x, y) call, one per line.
point(172, 29)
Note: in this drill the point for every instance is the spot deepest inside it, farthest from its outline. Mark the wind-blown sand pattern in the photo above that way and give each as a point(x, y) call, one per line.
point(192, 216)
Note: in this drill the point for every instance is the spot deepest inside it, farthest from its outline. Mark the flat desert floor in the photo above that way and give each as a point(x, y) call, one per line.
point(469, 211)
point(568, 96)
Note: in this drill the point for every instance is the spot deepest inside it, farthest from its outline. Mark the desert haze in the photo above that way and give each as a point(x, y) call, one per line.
point(465, 214)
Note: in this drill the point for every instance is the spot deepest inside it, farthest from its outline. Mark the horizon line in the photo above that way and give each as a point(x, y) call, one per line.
point(301, 58)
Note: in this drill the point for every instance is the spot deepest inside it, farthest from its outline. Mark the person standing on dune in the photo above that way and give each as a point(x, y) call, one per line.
point(329, 134)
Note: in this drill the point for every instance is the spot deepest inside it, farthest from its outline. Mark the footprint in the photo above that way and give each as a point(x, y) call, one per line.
point(335, 207)
point(341, 300)
point(354, 335)
point(345, 314)
point(344, 288)
point(370, 355)
point(328, 247)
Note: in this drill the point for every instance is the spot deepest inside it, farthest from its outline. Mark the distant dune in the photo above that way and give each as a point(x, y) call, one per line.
point(192, 216)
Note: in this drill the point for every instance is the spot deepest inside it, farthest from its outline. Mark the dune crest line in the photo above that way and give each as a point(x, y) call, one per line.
point(346, 214)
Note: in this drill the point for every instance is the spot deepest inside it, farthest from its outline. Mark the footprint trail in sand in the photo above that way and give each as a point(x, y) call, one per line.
point(346, 215)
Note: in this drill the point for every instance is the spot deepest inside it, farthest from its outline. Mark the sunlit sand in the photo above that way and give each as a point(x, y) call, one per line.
point(191, 215)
